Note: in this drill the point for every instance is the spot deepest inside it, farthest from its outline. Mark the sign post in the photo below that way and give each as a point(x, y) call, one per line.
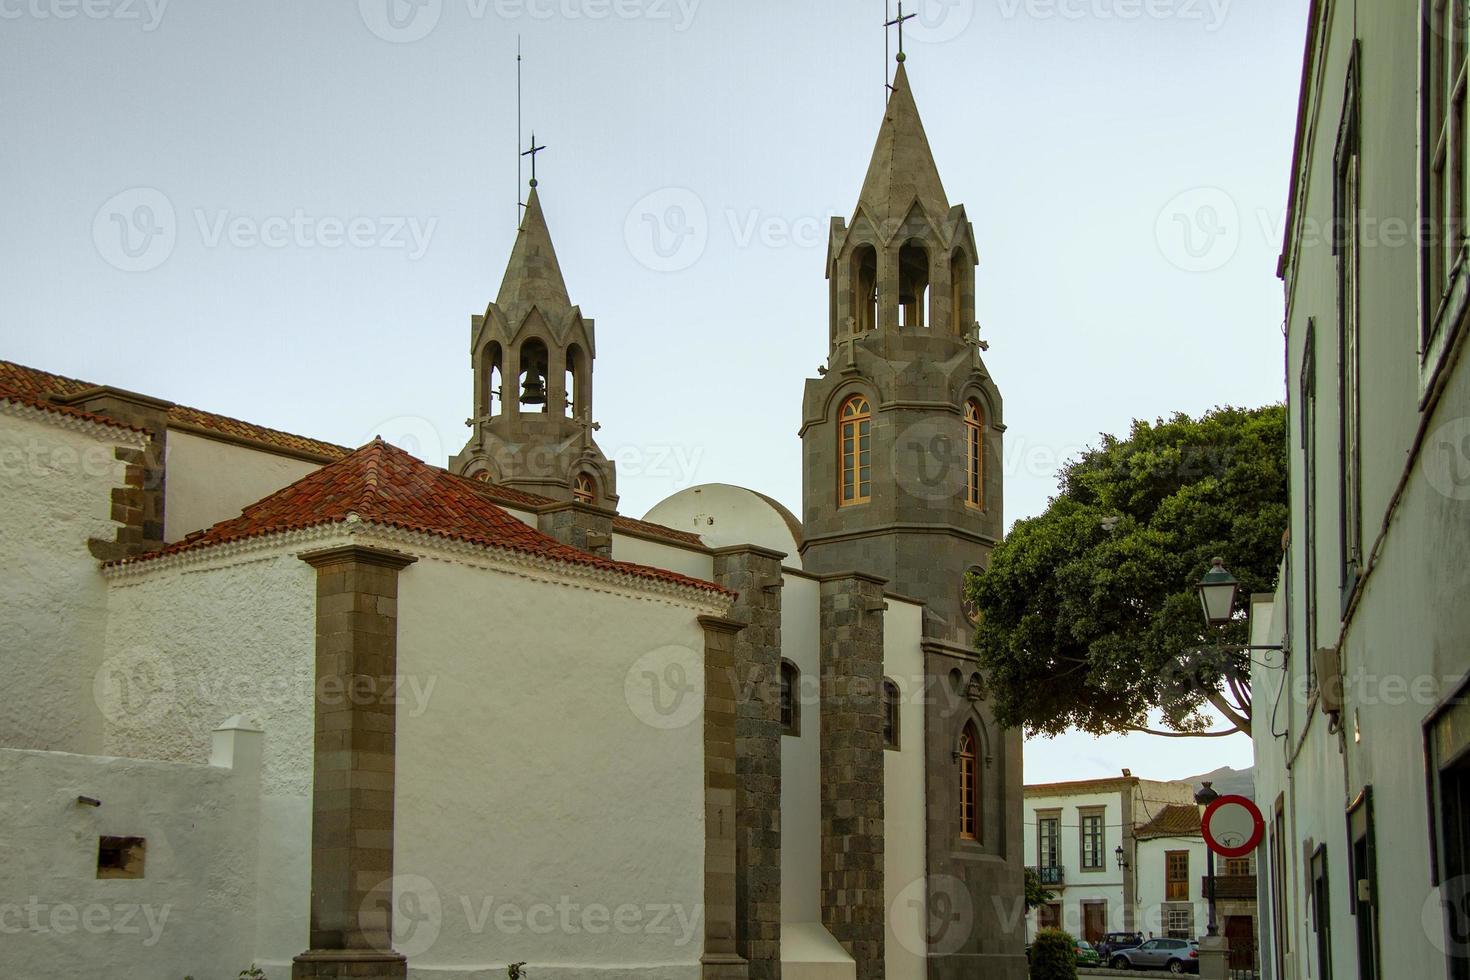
point(1233, 828)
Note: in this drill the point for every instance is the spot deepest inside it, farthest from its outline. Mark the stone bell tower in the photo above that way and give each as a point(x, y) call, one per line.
point(901, 444)
point(532, 353)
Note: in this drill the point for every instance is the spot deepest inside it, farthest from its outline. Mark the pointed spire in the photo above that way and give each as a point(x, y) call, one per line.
point(533, 276)
point(903, 165)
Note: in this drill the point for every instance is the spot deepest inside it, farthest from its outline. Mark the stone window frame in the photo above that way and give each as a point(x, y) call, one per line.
point(862, 454)
point(790, 697)
point(584, 488)
point(972, 820)
point(974, 454)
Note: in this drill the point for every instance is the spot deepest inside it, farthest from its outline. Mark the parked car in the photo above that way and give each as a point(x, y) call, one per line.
point(1114, 942)
point(1174, 955)
point(1086, 954)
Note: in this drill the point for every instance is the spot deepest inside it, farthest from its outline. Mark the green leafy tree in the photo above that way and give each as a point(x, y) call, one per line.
point(1089, 613)
point(1054, 956)
point(1037, 894)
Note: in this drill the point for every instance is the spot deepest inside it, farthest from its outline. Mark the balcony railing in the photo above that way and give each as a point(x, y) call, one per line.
point(1230, 887)
point(1051, 876)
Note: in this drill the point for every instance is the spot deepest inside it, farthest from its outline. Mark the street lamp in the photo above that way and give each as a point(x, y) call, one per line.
point(1204, 797)
point(1217, 594)
point(1122, 861)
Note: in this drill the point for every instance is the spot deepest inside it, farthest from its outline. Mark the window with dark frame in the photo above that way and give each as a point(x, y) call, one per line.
point(1308, 388)
point(1447, 745)
point(1346, 247)
point(890, 715)
point(1090, 827)
point(1322, 913)
point(1278, 887)
point(1048, 840)
point(790, 699)
point(1444, 170)
point(1363, 897)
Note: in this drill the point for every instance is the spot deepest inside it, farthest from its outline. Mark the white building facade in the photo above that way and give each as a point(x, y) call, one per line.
point(1074, 831)
point(1359, 729)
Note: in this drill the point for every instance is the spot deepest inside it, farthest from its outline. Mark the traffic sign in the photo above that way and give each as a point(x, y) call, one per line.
point(1233, 826)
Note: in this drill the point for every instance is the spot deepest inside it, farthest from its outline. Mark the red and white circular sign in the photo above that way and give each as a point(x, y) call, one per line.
point(1233, 826)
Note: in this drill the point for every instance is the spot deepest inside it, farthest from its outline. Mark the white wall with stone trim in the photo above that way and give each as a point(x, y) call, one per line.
point(550, 790)
point(192, 912)
point(904, 796)
point(56, 483)
point(211, 480)
point(643, 551)
point(191, 642)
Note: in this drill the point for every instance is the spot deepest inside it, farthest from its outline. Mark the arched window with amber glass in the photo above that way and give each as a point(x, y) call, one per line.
point(970, 784)
point(584, 489)
point(855, 423)
point(974, 454)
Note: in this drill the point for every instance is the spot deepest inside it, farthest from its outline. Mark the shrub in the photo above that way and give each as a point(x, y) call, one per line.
point(1053, 956)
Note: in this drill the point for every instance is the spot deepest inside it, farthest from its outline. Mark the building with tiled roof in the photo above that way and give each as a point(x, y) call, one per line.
point(335, 703)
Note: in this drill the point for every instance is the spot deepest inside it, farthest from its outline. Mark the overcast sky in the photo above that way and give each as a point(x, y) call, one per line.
point(288, 211)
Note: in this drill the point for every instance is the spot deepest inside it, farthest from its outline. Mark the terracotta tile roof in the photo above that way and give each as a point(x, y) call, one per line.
point(32, 387)
point(1172, 821)
point(384, 485)
point(42, 404)
point(35, 387)
point(1080, 786)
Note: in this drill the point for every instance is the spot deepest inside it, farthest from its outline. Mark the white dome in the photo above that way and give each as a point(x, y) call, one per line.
point(725, 515)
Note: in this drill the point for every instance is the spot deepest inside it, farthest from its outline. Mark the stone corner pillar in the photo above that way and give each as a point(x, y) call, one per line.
point(585, 527)
point(854, 909)
point(721, 959)
point(755, 575)
point(351, 929)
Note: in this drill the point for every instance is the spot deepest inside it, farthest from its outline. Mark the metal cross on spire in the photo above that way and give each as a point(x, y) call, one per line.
point(532, 154)
point(898, 21)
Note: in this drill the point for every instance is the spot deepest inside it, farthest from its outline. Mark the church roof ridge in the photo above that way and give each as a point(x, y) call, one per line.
point(384, 485)
point(19, 382)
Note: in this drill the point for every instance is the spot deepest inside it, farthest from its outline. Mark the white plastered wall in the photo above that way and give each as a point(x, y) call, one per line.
point(56, 483)
point(540, 794)
point(210, 480)
point(904, 796)
point(191, 914)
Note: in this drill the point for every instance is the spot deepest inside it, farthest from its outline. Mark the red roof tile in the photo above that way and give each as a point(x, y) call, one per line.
point(33, 387)
point(384, 485)
point(36, 387)
point(1172, 821)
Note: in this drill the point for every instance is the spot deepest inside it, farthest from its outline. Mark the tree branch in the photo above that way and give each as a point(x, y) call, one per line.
point(1241, 722)
point(1152, 731)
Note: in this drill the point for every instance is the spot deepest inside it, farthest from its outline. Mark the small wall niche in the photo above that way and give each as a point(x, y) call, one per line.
point(120, 857)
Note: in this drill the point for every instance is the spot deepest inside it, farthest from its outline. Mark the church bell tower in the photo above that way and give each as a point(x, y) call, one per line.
point(532, 352)
point(901, 445)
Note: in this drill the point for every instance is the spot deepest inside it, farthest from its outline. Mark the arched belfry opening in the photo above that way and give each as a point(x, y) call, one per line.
point(493, 399)
point(534, 367)
point(576, 382)
point(913, 286)
point(864, 288)
point(961, 288)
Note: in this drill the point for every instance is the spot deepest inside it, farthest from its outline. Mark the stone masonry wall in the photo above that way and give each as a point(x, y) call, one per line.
point(755, 573)
point(852, 767)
